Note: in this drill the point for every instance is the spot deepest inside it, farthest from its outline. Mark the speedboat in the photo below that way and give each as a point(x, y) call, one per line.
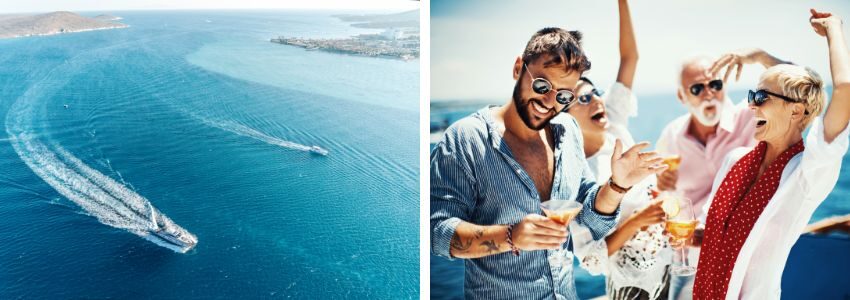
point(318, 150)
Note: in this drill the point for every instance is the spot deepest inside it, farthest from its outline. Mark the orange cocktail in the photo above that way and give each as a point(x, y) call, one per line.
point(681, 230)
point(561, 211)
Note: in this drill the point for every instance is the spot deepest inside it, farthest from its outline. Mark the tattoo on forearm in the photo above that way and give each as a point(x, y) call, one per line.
point(490, 246)
point(458, 244)
point(479, 232)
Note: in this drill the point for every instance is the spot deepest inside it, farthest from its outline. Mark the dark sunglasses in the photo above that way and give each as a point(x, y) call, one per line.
point(759, 97)
point(715, 85)
point(585, 99)
point(543, 87)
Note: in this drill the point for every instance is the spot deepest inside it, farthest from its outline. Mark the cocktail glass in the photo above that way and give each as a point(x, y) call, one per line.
point(561, 211)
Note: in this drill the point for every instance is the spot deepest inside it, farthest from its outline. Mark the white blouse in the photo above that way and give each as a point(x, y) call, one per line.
point(643, 260)
point(806, 181)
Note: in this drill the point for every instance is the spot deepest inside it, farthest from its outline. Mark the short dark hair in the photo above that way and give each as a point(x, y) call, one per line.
point(565, 45)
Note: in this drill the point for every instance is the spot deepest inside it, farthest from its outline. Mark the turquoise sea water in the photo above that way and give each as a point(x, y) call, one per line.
point(197, 114)
point(654, 112)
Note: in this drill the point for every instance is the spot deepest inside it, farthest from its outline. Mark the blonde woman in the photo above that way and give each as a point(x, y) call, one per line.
point(764, 196)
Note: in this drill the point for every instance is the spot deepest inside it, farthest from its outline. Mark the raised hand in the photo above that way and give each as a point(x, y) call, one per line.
point(823, 21)
point(735, 60)
point(536, 232)
point(630, 167)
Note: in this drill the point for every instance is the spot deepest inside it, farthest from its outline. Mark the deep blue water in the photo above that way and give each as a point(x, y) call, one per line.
point(199, 115)
point(654, 112)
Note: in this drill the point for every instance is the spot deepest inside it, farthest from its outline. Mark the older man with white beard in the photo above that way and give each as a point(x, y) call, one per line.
point(712, 127)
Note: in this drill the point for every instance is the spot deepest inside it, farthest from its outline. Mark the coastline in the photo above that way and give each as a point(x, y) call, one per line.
point(58, 22)
point(399, 40)
point(121, 26)
point(351, 46)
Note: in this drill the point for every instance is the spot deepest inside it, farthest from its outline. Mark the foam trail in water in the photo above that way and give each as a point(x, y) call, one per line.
point(111, 202)
point(159, 80)
point(76, 187)
point(102, 197)
point(246, 131)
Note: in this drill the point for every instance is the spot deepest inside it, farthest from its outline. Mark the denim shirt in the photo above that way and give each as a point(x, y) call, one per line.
point(475, 178)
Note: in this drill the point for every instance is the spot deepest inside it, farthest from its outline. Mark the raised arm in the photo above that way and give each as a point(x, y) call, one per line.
point(628, 46)
point(736, 60)
point(652, 214)
point(838, 113)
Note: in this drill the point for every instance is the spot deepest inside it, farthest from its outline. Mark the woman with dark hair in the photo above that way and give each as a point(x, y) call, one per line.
point(635, 256)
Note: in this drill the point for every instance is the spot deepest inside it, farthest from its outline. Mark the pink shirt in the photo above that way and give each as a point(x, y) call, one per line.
point(700, 163)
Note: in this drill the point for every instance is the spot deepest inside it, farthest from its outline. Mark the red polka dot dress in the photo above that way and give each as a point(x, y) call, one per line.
point(737, 205)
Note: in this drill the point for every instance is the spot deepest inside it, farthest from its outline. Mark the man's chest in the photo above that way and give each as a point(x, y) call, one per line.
point(538, 163)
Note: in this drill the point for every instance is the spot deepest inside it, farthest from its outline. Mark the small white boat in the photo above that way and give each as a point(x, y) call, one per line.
point(318, 150)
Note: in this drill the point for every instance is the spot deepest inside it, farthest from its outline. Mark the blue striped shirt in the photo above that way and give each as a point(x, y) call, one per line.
point(475, 178)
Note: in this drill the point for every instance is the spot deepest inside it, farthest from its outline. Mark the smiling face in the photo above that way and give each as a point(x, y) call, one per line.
point(782, 122)
point(592, 118)
point(537, 110)
point(776, 120)
point(706, 106)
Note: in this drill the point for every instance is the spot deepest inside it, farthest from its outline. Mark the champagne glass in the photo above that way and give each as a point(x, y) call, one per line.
point(681, 225)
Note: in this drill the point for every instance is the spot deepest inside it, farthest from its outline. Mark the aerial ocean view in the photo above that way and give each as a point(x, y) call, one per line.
point(192, 122)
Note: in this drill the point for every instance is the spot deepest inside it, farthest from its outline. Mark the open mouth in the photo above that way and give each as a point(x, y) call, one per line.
point(539, 107)
point(599, 117)
point(710, 110)
point(760, 122)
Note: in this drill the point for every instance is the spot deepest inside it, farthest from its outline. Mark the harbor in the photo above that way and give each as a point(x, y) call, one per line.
point(392, 43)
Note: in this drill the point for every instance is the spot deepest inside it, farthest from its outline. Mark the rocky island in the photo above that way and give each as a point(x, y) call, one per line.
point(107, 17)
point(400, 38)
point(12, 26)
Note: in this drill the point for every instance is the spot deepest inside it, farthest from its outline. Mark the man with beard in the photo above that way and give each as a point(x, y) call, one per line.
point(713, 127)
point(493, 169)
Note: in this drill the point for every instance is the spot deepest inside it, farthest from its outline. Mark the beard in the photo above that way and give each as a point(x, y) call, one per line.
point(522, 109)
point(698, 112)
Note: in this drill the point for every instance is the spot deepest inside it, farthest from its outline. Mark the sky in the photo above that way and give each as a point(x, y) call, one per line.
point(22, 6)
point(474, 43)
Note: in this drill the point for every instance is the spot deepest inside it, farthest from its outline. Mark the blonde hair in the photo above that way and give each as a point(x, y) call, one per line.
point(800, 83)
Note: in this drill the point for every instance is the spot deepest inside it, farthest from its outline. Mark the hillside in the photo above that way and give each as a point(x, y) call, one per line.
point(12, 26)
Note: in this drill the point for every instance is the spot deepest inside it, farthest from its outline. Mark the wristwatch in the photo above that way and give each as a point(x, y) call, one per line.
point(616, 187)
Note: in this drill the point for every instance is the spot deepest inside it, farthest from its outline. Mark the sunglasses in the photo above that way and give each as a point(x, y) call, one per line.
point(715, 85)
point(759, 97)
point(543, 87)
point(585, 99)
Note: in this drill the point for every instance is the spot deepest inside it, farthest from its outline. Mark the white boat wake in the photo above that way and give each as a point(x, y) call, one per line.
point(100, 196)
point(111, 202)
point(246, 131)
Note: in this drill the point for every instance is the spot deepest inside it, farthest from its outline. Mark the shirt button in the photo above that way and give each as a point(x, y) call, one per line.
point(518, 171)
